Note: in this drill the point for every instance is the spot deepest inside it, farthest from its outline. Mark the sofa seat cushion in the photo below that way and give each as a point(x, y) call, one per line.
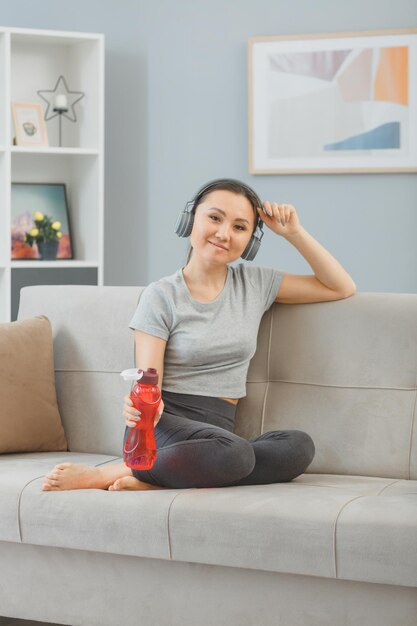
point(350, 527)
point(133, 523)
point(19, 470)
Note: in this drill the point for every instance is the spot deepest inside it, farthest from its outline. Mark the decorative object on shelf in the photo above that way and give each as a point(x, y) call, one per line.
point(45, 234)
point(333, 102)
point(40, 222)
point(60, 103)
point(30, 127)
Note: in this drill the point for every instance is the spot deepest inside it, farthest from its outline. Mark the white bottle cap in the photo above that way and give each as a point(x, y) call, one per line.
point(131, 374)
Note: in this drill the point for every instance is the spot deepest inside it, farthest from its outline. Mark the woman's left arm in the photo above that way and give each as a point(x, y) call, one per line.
point(331, 281)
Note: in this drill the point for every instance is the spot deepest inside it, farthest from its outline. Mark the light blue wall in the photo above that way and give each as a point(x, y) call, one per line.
point(176, 117)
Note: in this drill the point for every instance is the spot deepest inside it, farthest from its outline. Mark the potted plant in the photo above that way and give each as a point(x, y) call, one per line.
point(45, 234)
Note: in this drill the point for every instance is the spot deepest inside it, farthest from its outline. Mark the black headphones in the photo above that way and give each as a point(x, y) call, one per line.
point(185, 221)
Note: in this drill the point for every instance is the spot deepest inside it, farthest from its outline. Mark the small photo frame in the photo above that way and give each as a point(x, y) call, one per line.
point(333, 102)
point(50, 199)
point(29, 124)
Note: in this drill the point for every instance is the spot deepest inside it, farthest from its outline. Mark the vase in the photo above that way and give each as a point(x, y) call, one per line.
point(48, 250)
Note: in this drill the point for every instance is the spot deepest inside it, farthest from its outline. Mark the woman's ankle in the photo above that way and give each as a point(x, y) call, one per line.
point(110, 473)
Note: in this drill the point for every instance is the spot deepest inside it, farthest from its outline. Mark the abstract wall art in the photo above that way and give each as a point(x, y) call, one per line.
point(334, 102)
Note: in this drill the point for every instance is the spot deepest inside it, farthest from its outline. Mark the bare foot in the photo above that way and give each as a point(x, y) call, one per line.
point(130, 483)
point(79, 476)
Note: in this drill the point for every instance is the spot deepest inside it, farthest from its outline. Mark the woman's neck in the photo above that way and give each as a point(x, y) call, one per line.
point(209, 277)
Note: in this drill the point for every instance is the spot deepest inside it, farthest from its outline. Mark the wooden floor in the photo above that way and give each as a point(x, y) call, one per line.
point(10, 621)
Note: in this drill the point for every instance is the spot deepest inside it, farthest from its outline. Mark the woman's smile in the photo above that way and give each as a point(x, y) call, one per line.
point(218, 246)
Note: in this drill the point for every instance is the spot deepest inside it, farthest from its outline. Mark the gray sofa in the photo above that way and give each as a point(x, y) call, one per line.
point(336, 546)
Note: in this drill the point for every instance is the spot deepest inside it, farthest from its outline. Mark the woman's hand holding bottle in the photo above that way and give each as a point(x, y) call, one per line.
point(133, 415)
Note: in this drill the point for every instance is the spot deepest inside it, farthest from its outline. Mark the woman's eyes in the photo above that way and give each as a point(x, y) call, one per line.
point(240, 227)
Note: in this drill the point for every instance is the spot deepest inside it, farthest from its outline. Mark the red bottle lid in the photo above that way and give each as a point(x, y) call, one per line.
point(150, 377)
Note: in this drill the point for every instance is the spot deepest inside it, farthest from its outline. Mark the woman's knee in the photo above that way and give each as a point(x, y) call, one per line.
point(234, 459)
point(305, 447)
point(243, 457)
point(216, 461)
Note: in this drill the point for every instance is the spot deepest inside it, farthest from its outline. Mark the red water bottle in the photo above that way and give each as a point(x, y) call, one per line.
point(139, 450)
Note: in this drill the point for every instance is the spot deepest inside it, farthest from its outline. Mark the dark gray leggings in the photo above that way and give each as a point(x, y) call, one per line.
point(196, 447)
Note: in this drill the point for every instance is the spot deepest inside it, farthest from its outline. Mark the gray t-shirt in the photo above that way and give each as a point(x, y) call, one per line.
point(209, 345)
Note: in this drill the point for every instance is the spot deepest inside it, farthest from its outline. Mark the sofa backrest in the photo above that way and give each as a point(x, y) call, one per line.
point(344, 372)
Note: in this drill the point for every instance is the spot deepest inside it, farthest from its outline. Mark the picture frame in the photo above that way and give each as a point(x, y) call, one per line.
point(327, 103)
point(50, 199)
point(29, 124)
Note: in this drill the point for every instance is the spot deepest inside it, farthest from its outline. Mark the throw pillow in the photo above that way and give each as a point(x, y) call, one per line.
point(29, 415)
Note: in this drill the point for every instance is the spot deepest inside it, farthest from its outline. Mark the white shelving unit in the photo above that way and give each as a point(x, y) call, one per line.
point(31, 60)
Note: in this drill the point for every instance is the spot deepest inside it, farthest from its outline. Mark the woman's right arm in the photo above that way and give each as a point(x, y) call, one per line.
point(149, 352)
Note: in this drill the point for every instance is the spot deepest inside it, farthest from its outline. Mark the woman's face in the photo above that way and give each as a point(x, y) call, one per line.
point(223, 225)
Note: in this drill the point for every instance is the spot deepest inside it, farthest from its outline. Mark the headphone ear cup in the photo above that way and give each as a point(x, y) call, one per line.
point(184, 224)
point(251, 249)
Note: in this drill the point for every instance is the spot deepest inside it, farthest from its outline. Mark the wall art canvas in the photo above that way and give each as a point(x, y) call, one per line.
point(50, 199)
point(329, 103)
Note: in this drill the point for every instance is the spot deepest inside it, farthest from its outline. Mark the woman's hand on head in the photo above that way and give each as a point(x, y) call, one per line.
point(132, 415)
point(282, 219)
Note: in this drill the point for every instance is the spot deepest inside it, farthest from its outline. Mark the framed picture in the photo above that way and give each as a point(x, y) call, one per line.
point(333, 102)
point(48, 203)
point(29, 124)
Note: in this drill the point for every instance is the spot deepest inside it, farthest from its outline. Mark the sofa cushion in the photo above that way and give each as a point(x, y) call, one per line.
point(351, 527)
point(29, 418)
point(18, 471)
point(92, 345)
point(129, 522)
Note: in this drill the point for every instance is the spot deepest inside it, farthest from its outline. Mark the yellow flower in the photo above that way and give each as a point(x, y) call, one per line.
point(59, 235)
point(34, 232)
point(38, 216)
point(56, 225)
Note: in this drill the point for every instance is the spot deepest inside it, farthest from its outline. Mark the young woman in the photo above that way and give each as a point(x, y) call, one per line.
point(198, 327)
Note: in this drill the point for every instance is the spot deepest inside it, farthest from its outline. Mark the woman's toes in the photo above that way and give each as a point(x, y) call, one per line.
point(49, 487)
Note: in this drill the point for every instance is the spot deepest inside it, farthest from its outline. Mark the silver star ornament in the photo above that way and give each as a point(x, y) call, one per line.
point(71, 99)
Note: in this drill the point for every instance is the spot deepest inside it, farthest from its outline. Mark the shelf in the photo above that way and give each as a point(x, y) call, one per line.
point(54, 150)
point(32, 60)
point(80, 61)
point(60, 263)
point(63, 37)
